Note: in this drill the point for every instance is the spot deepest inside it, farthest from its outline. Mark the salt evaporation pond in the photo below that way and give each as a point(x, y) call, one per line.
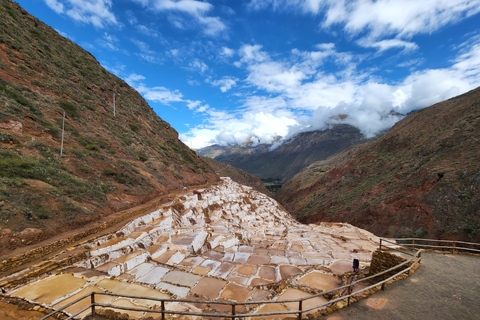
point(229, 243)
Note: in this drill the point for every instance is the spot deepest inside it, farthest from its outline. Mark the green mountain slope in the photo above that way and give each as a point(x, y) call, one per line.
point(109, 162)
point(422, 178)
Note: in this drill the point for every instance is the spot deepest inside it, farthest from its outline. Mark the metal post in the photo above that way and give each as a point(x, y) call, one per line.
point(383, 283)
point(300, 309)
point(92, 301)
point(163, 310)
point(63, 130)
point(233, 312)
point(380, 244)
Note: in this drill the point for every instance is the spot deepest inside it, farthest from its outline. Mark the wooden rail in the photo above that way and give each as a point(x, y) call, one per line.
point(413, 261)
point(454, 246)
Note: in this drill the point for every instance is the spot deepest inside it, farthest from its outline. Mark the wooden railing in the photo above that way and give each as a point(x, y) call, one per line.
point(348, 288)
point(441, 245)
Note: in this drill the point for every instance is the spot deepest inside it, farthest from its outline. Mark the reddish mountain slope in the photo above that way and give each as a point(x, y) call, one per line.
point(422, 178)
point(109, 162)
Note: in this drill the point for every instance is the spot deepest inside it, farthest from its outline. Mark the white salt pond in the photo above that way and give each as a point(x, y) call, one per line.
point(230, 243)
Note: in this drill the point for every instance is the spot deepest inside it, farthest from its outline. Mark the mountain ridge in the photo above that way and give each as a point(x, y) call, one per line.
point(420, 179)
point(291, 156)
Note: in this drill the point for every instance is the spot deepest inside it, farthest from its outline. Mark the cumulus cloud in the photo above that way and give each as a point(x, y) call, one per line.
point(95, 12)
point(225, 84)
point(155, 94)
point(212, 26)
point(296, 94)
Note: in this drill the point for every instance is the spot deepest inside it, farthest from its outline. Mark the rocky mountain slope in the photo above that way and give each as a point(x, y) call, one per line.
point(237, 175)
point(422, 178)
point(293, 155)
point(110, 162)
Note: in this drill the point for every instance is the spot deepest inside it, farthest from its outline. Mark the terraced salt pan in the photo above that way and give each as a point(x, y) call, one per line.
point(226, 245)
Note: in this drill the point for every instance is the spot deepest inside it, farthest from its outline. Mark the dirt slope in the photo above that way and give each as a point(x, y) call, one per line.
point(110, 162)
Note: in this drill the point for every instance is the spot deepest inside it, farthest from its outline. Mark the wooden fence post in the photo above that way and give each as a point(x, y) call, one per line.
point(92, 301)
point(163, 310)
point(300, 309)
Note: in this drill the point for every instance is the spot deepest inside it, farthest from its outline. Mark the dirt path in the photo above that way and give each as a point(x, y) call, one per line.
point(445, 286)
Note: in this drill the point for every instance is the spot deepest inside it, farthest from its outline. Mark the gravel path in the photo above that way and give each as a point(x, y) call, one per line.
point(445, 286)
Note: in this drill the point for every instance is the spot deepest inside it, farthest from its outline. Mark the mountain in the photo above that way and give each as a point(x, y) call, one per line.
point(422, 178)
point(237, 175)
point(109, 162)
point(297, 153)
point(232, 151)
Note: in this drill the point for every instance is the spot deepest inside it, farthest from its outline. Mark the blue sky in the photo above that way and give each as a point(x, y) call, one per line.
point(222, 72)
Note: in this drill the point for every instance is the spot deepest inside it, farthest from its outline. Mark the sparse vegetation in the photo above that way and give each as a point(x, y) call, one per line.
point(38, 187)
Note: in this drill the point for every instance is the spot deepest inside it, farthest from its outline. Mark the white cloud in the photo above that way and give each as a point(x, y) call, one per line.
point(227, 52)
point(302, 96)
point(198, 65)
point(55, 5)
point(197, 106)
point(375, 20)
point(160, 94)
point(225, 84)
point(145, 52)
point(96, 12)
point(384, 45)
point(155, 94)
point(108, 41)
point(212, 26)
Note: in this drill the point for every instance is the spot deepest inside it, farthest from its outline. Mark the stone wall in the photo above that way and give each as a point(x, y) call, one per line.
point(384, 260)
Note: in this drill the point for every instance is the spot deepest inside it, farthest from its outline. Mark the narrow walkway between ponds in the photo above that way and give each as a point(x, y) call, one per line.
point(445, 286)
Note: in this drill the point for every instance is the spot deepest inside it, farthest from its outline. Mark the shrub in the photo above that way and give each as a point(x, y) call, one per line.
point(69, 107)
point(134, 127)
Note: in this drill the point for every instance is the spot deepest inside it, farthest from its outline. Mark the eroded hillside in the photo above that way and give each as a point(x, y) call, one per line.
point(110, 161)
point(421, 179)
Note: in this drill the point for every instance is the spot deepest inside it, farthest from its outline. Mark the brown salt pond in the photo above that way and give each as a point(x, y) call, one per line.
point(296, 294)
point(319, 280)
point(341, 266)
point(287, 271)
point(133, 289)
point(85, 302)
point(209, 287)
point(51, 289)
point(236, 292)
point(182, 278)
